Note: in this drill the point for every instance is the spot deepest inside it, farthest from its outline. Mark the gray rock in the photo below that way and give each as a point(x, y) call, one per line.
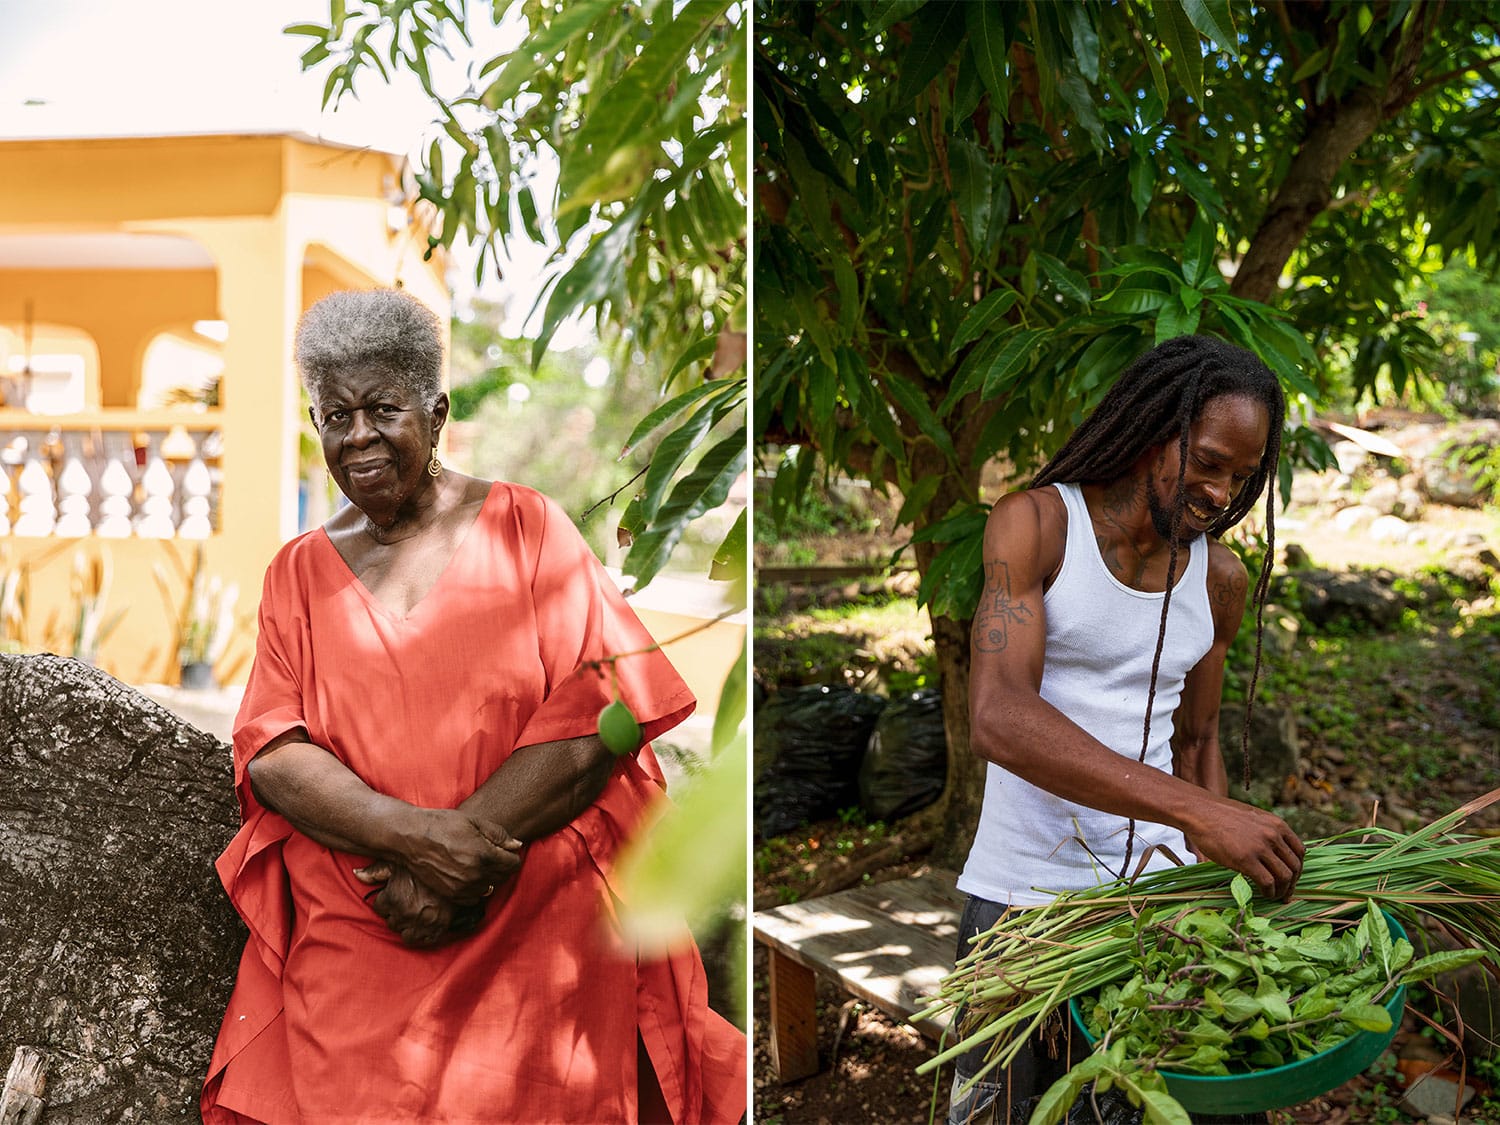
point(1351, 457)
point(118, 948)
point(1410, 504)
point(1448, 480)
point(1382, 496)
point(1355, 519)
point(1389, 529)
point(1273, 748)
point(1327, 596)
point(1309, 489)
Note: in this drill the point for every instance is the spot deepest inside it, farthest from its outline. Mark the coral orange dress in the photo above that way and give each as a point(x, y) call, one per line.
point(534, 1017)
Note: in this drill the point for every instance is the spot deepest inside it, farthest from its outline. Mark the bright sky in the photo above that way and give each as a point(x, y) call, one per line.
point(131, 67)
point(143, 66)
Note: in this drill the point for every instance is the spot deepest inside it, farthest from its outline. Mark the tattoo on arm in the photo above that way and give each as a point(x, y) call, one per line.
point(998, 610)
point(1227, 592)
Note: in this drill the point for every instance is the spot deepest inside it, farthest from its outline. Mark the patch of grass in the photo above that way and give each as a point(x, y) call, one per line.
point(1411, 705)
point(876, 637)
point(793, 863)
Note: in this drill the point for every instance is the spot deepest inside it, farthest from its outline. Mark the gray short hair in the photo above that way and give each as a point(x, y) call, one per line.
point(385, 329)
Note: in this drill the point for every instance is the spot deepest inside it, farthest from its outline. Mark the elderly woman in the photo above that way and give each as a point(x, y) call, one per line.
point(430, 821)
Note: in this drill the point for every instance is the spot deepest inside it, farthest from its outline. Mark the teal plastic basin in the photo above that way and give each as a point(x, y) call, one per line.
point(1295, 1082)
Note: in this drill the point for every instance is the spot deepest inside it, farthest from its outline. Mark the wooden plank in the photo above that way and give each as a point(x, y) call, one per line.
point(794, 1021)
point(21, 1100)
point(887, 943)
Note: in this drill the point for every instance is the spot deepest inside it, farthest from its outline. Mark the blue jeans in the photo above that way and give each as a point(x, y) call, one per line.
point(1008, 1095)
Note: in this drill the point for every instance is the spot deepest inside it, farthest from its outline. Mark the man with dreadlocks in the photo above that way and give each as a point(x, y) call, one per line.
point(1098, 656)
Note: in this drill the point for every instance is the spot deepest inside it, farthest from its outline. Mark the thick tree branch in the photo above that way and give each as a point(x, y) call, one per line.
point(1335, 131)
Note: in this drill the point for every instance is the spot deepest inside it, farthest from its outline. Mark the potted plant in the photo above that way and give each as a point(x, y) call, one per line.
point(204, 620)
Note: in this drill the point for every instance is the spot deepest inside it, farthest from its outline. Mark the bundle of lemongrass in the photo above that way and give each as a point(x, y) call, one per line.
point(1035, 960)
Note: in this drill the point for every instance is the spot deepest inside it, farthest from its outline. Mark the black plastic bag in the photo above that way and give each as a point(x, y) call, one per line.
point(808, 745)
point(906, 763)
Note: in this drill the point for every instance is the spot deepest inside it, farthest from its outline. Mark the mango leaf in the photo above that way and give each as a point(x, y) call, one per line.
point(693, 860)
point(1011, 360)
point(937, 33)
point(707, 486)
point(886, 13)
point(730, 715)
point(675, 406)
point(1215, 20)
point(669, 455)
point(971, 372)
point(1198, 251)
point(917, 497)
point(989, 308)
point(1070, 283)
point(1085, 41)
point(731, 562)
point(1107, 356)
point(1435, 964)
point(991, 50)
point(596, 272)
point(1181, 39)
point(1172, 320)
point(874, 410)
point(1135, 295)
point(953, 581)
point(915, 404)
point(636, 94)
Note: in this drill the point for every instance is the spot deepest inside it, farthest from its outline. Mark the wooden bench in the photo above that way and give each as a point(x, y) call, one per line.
point(887, 943)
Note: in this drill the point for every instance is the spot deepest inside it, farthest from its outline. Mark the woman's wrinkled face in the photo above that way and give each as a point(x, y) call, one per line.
point(377, 440)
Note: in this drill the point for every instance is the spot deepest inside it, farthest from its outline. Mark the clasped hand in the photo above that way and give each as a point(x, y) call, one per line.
point(433, 890)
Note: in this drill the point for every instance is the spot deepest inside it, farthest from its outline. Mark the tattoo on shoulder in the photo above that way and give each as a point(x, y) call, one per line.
point(1228, 590)
point(998, 609)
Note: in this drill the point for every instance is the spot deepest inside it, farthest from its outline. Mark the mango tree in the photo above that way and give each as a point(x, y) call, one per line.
point(969, 217)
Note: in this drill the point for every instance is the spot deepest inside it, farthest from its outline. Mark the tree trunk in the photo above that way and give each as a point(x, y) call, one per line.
point(1304, 194)
point(1335, 130)
point(957, 813)
point(118, 948)
point(965, 788)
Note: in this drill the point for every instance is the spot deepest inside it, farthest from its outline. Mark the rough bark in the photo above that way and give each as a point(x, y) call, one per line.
point(1335, 130)
point(118, 946)
point(957, 813)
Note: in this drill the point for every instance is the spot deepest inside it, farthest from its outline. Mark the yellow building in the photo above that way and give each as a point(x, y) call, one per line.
point(149, 406)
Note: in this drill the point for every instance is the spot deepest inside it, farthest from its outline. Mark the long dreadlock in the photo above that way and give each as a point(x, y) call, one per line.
point(1155, 400)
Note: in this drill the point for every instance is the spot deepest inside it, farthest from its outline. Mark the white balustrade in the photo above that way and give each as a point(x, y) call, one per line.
point(155, 520)
point(36, 513)
point(73, 488)
point(197, 484)
point(77, 480)
point(115, 486)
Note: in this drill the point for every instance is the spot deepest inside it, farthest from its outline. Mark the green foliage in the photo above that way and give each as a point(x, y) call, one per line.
point(1221, 992)
point(641, 107)
point(1480, 461)
point(971, 217)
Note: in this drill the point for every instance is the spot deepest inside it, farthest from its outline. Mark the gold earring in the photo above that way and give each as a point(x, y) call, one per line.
point(434, 467)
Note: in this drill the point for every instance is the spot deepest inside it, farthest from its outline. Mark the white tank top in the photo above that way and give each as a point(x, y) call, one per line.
point(1101, 635)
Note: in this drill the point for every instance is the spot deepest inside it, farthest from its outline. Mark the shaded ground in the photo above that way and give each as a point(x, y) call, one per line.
point(1404, 725)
